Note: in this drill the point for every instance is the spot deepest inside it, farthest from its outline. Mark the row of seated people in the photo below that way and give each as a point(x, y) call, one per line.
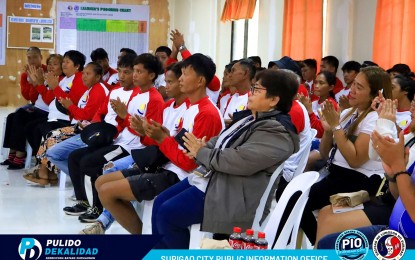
point(137, 132)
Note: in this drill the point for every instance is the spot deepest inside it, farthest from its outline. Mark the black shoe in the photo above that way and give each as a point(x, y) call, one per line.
point(90, 216)
point(6, 162)
point(14, 166)
point(79, 208)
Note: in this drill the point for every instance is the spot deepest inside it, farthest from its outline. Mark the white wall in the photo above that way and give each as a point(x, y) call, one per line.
point(199, 21)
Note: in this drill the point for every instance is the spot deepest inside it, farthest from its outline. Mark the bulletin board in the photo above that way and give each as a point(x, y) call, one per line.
point(87, 26)
point(23, 32)
point(2, 31)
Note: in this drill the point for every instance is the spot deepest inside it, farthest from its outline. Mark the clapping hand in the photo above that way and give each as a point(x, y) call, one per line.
point(156, 131)
point(66, 102)
point(388, 110)
point(331, 116)
point(52, 80)
point(119, 107)
point(136, 123)
point(193, 144)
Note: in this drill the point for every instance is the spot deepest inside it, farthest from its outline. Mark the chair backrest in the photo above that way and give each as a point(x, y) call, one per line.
point(298, 187)
point(264, 198)
point(305, 153)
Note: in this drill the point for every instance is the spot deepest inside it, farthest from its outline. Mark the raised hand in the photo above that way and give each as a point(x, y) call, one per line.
point(306, 102)
point(156, 131)
point(331, 116)
point(137, 124)
point(388, 110)
point(193, 144)
point(66, 102)
point(177, 38)
point(52, 80)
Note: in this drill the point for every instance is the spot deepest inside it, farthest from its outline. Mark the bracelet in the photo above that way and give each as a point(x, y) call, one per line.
point(182, 47)
point(339, 127)
point(393, 179)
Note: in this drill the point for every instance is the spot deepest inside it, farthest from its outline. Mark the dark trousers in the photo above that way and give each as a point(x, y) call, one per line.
point(14, 137)
point(85, 161)
point(339, 180)
point(38, 129)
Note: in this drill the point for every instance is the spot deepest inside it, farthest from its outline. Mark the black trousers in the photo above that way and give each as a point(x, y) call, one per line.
point(38, 129)
point(14, 136)
point(339, 180)
point(85, 161)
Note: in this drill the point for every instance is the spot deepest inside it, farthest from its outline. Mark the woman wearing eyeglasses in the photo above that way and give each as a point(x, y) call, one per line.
point(234, 167)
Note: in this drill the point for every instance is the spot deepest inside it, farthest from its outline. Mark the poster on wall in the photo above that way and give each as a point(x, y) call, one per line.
point(87, 26)
point(3, 32)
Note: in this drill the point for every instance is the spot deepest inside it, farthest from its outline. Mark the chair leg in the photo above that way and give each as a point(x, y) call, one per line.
point(62, 180)
point(29, 152)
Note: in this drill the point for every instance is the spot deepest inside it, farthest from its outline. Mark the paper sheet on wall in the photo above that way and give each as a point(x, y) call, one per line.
point(87, 26)
point(3, 32)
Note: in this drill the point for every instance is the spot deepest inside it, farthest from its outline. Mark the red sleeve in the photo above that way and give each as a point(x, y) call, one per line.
point(171, 61)
point(338, 87)
point(94, 101)
point(25, 86)
point(33, 94)
point(316, 124)
point(102, 110)
point(47, 94)
point(302, 90)
point(185, 54)
point(297, 116)
point(77, 90)
point(204, 125)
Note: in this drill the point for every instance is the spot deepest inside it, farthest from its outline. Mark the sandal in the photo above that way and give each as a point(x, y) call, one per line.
point(35, 178)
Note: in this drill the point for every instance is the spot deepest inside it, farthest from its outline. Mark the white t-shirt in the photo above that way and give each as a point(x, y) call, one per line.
point(366, 126)
point(160, 81)
point(343, 92)
point(403, 119)
point(237, 103)
point(54, 114)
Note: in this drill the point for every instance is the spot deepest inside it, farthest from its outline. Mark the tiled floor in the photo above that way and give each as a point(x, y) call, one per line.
point(28, 209)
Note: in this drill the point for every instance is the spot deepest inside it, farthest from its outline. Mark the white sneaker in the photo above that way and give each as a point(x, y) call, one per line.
point(94, 229)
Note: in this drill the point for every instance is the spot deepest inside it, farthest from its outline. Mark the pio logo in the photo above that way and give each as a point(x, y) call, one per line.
point(352, 245)
point(30, 248)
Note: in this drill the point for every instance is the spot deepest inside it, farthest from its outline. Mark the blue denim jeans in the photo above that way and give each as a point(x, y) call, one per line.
point(106, 218)
point(59, 153)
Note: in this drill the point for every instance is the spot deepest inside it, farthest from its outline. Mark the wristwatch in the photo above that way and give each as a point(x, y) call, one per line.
point(336, 128)
point(182, 47)
point(393, 179)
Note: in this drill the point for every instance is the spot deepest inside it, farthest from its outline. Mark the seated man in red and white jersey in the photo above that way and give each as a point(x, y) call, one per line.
point(110, 77)
point(331, 64)
point(148, 103)
point(227, 90)
point(241, 76)
point(213, 88)
point(202, 118)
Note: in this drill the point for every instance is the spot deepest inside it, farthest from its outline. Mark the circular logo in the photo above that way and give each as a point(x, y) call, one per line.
point(30, 248)
point(70, 7)
point(352, 244)
point(389, 244)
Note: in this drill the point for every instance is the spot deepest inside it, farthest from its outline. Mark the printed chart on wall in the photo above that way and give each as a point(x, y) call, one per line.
point(3, 32)
point(87, 26)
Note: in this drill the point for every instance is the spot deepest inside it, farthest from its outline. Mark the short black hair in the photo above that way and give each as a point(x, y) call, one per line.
point(128, 50)
point(97, 68)
point(279, 84)
point(127, 61)
point(351, 65)
point(34, 49)
point(202, 65)
point(330, 77)
point(165, 49)
point(332, 61)
point(78, 58)
point(99, 54)
point(407, 84)
point(256, 59)
point(250, 66)
point(150, 63)
point(311, 63)
point(229, 66)
point(176, 68)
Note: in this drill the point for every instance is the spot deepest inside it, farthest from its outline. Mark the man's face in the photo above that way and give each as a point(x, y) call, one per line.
point(34, 58)
point(163, 57)
point(237, 75)
point(324, 66)
point(104, 64)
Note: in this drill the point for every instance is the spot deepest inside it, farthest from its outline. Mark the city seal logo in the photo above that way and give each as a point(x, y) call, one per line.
point(389, 244)
point(352, 244)
point(30, 248)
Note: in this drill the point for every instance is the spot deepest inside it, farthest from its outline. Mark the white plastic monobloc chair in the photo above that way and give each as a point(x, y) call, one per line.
point(260, 210)
point(300, 184)
point(305, 152)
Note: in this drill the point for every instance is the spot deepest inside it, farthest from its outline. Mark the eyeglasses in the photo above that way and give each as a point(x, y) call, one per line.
point(255, 89)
